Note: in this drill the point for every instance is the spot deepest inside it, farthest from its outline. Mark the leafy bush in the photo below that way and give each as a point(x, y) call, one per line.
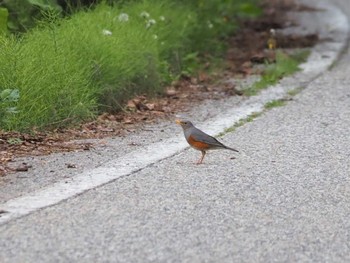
point(8, 99)
point(23, 14)
point(9, 93)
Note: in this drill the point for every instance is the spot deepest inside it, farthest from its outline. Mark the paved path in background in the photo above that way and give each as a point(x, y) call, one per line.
point(285, 198)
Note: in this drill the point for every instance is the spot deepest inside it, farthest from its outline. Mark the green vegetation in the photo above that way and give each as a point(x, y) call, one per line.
point(250, 118)
point(66, 70)
point(274, 104)
point(295, 91)
point(23, 14)
point(285, 65)
point(4, 13)
point(217, 20)
point(240, 123)
point(44, 86)
point(14, 141)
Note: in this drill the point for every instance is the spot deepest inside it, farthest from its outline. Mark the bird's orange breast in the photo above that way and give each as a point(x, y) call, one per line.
point(198, 144)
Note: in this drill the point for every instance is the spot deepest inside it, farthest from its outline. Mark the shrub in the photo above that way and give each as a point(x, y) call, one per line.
point(53, 91)
point(66, 70)
point(23, 14)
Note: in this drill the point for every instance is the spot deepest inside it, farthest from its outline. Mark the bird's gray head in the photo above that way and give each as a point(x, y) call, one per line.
point(185, 124)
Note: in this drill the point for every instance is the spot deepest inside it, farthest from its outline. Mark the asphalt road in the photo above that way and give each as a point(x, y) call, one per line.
point(284, 198)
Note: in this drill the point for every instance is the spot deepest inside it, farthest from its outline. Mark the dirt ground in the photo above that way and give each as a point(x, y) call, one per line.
point(246, 48)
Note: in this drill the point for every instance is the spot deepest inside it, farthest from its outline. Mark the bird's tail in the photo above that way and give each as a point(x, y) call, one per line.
point(229, 148)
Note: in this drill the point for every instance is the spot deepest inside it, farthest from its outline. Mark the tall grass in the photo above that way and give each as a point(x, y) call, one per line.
point(67, 70)
point(53, 91)
point(127, 49)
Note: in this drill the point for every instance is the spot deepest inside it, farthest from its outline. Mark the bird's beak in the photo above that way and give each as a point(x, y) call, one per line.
point(178, 122)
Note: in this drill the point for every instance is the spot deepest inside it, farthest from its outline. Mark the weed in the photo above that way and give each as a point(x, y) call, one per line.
point(274, 104)
point(240, 123)
point(14, 141)
point(52, 89)
point(8, 100)
point(3, 20)
point(250, 118)
point(23, 14)
point(285, 65)
point(295, 91)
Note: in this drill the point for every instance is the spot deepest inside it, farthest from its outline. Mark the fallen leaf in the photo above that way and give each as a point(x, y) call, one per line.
point(106, 129)
point(131, 104)
point(259, 58)
point(150, 106)
point(103, 116)
point(23, 167)
point(71, 165)
point(128, 121)
point(112, 117)
point(194, 80)
point(203, 77)
point(170, 92)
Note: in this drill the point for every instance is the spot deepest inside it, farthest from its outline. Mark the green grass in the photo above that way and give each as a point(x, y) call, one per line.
point(274, 104)
point(285, 65)
point(295, 91)
point(51, 89)
point(65, 71)
point(241, 122)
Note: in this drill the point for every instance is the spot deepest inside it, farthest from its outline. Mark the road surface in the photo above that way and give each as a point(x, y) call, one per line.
point(284, 198)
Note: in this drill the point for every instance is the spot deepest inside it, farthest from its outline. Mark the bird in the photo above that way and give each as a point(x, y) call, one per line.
point(199, 140)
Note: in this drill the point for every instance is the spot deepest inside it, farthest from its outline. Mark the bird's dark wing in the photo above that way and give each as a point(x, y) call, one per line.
point(198, 135)
point(201, 136)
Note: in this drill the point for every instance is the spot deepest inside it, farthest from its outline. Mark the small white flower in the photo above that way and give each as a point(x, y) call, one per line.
point(144, 14)
point(155, 37)
point(150, 23)
point(123, 17)
point(106, 32)
point(210, 25)
point(162, 18)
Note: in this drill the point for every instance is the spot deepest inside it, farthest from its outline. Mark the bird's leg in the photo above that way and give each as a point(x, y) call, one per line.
point(201, 159)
